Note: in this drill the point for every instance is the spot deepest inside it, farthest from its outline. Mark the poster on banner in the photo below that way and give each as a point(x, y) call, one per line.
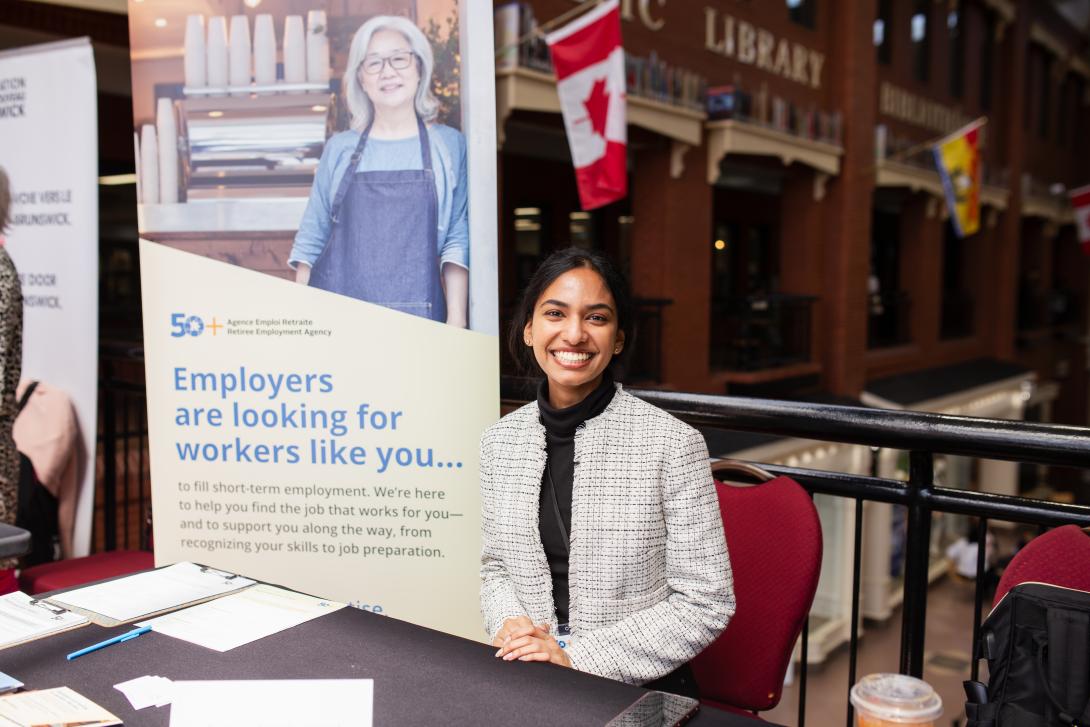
point(317, 207)
point(49, 147)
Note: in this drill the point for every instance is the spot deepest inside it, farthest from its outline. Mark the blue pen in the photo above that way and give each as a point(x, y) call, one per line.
point(103, 644)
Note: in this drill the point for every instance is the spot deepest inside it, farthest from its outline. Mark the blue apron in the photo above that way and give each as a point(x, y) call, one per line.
point(383, 247)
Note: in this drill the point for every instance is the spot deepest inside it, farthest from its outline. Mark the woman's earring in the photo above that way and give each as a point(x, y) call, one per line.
point(529, 341)
point(617, 350)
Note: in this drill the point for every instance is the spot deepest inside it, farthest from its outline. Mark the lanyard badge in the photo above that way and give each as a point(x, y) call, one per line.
point(563, 635)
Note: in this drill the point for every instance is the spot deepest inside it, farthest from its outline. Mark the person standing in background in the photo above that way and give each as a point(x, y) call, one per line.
point(387, 218)
point(11, 358)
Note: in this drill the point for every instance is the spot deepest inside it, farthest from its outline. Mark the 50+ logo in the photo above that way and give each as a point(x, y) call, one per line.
point(182, 325)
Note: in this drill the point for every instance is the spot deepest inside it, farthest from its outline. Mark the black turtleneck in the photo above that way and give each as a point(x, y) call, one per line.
point(560, 426)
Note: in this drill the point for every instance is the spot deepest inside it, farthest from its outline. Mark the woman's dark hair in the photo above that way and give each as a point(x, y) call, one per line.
point(552, 268)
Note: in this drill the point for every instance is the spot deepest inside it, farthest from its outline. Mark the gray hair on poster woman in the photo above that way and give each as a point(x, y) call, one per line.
point(359, 105)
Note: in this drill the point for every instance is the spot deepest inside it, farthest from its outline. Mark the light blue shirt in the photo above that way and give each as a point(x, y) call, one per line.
point(448, 159)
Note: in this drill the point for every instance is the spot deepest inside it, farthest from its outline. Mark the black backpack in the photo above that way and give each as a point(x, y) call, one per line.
point(1037, 643)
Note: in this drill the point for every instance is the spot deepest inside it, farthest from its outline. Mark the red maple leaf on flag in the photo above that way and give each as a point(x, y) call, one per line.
point(597, 106)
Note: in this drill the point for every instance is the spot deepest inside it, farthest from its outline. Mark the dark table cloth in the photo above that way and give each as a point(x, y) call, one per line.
point(421, 676)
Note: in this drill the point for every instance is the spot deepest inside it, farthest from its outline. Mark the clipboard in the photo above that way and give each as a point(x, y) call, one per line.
point(19, 606)
point(148, 594)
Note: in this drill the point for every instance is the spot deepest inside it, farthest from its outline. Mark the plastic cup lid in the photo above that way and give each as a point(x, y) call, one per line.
point(897, 698)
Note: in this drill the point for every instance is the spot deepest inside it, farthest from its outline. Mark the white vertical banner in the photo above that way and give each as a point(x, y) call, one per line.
point(479, 103)
point(49, 147)
point(319, 295)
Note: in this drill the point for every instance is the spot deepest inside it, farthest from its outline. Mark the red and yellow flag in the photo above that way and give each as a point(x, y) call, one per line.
point(958, 159)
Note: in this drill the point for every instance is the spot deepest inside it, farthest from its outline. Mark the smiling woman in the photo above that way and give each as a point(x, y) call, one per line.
point(574, 328)
point(584, 493)
point(387, 217)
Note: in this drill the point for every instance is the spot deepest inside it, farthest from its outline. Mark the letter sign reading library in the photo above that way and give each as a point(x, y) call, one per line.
point(642, 9)
point(754, 46)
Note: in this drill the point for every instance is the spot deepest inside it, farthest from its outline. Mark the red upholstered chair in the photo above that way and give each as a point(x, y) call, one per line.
point(774, 540)
point(8, 582)
point(77, 571)
point(1060, 557)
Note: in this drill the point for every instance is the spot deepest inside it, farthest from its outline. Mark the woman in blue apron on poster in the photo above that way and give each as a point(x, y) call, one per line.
point(387, 220)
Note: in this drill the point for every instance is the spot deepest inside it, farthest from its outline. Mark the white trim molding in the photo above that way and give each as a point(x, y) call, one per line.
point(742, 137)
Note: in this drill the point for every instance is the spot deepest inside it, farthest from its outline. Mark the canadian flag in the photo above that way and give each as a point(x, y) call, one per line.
point(1080, 200)
point(589, 62)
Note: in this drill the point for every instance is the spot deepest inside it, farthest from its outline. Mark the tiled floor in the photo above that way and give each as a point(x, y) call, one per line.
point(946, 653)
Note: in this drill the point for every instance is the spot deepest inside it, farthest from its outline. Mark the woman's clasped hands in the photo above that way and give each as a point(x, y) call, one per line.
point(522, 639)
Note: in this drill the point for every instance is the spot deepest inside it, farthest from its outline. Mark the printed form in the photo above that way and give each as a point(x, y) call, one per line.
point(242, 617)
point(23, 618)
point(60, 706)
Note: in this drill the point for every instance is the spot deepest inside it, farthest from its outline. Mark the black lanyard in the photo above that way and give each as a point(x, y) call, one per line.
point(556, 509)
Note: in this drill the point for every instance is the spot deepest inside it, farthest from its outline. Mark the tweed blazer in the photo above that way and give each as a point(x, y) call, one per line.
point(649, 575)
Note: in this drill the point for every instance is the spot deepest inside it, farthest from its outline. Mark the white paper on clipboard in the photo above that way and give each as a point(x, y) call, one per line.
point(142, 595)
point(23, 619)
point(240, 618)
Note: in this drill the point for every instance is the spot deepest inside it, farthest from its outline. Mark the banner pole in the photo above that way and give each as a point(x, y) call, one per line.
point(925, 145)
point(542, 29)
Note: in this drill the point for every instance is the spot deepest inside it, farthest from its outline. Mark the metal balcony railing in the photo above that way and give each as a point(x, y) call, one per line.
point(125, 484)
point(761, 332)
point(923, 436)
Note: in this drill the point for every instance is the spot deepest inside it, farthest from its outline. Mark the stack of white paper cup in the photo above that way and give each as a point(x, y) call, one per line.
point(317, 47)
point(167, 131)
point(264, 50)
point(217, 52)
point(149, 163)
point(241, 56)
point(196, 60)
point(295, 52)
